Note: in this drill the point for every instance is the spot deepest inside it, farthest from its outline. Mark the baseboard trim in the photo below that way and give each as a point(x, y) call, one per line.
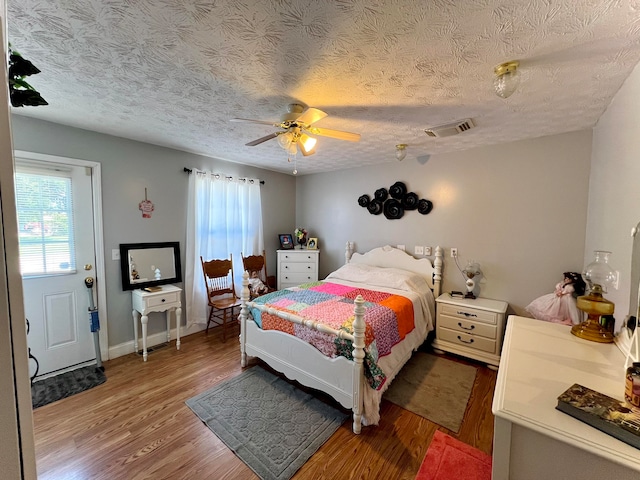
point(156, 339)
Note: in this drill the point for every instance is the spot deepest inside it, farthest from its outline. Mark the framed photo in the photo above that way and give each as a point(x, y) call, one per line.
point(286, 241)
point(312, 244)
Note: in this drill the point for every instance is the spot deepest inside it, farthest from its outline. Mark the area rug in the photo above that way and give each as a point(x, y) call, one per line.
point(435, 388)
point(271, 425)
point(66, 384)
point(450, 459)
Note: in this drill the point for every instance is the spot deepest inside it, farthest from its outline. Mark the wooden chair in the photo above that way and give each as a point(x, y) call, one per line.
point(218, 277)
point(258, 264)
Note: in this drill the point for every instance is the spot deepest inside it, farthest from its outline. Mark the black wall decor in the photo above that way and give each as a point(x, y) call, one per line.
point(394, 202)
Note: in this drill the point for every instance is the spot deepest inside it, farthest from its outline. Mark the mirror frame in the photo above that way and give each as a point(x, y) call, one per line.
point(125, 248)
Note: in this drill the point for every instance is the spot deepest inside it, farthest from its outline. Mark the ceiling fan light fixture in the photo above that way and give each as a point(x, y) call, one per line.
point(507, 78)
point(307, 144)
point(401, 151)
point(284, 140)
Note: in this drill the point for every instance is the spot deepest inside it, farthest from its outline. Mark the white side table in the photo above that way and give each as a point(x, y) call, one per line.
point(164, 300)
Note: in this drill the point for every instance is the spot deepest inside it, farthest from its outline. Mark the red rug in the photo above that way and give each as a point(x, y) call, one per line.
point(450, 459)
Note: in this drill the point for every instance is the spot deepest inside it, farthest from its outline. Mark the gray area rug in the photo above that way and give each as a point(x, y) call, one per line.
point(435, 388)
point(271, 425)
point(66, 384)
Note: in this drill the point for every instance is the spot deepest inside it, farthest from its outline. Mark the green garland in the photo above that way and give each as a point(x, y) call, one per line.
point(21, 93)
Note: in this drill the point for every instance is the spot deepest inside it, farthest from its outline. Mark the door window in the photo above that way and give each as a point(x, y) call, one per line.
point(45, 221)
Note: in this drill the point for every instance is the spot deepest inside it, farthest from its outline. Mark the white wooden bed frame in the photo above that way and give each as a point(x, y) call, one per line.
point(341, 378)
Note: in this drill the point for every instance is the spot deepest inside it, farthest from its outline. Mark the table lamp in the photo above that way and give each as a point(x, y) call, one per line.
point(598, 276)
point(471, 272)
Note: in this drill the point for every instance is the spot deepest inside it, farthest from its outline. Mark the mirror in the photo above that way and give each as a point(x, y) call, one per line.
point(145, 265)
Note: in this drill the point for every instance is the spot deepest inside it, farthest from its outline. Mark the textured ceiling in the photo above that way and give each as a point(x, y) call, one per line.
point(173, 72)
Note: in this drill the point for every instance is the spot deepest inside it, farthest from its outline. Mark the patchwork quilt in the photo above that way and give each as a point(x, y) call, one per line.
point(389, 318)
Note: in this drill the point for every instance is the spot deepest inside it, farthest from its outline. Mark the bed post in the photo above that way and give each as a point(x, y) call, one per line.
point(358, 359)
point(244, 312)
point(348, 251)
point(437, 274)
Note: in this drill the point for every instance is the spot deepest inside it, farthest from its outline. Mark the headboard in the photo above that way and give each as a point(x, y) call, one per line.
point(391, 257)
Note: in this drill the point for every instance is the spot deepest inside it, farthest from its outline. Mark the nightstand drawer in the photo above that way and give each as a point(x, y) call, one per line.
point(466, 340)
point(468, 313)
point(167, 298)
point(289, 267)
point(467, 326)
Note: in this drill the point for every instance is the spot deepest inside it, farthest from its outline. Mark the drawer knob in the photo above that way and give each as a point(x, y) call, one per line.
point(466, 328)
point(467, 314)
point(465, 341)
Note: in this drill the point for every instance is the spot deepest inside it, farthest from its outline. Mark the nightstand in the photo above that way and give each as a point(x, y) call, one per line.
point(473, 328)
point(296, 267)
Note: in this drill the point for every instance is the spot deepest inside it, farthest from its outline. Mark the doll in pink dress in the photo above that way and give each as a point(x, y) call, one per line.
point(560, 306)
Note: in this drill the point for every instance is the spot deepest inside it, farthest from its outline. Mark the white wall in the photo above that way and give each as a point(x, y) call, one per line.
point(128, 167)
point(518, 209)
point(614, 192)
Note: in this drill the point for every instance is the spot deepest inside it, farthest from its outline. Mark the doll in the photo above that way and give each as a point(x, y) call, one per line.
point(256, 285)
point(560, 306)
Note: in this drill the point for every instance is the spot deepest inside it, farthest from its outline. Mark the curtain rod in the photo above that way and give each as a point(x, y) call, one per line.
point(188, 170)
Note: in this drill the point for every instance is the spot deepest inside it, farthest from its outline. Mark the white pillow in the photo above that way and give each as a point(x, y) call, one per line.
point(381, 277)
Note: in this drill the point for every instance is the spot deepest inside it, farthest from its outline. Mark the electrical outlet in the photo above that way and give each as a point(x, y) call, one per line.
point(454, 252)
point(419, 250)
point(400, 247)
point(115, 254)
point(427, 251)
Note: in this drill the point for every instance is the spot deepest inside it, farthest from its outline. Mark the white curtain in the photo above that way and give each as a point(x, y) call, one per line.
point(224, 218)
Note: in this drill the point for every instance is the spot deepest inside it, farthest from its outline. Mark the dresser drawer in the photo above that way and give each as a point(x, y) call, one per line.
point(291, 279)
point(466, 340)
point(465, 325)
point(468, 313)
point(292, 267)
point(298, 257)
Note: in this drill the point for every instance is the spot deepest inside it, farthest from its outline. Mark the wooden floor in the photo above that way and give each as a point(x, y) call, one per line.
point(137, 426)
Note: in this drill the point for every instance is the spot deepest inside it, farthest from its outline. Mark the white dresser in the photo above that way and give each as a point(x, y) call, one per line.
point(165, 299)
point(469, 327)
point(296, 267)
point(533, 440)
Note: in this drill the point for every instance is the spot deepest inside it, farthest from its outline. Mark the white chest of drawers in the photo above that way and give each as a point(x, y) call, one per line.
point(472, 328)
point(296, 267)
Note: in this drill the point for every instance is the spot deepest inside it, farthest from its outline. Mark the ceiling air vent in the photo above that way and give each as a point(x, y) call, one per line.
point(450, 128)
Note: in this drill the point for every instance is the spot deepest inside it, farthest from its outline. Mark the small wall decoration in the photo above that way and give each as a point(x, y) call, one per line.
point(146, 206)
point(394, 202)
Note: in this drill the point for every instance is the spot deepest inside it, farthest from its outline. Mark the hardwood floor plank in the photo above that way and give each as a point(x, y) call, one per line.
point(137, 426)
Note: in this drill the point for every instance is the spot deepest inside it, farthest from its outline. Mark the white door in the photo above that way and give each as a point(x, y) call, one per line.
point(57, 253)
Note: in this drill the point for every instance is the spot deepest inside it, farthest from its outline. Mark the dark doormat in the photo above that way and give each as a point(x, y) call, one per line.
point(66, 384)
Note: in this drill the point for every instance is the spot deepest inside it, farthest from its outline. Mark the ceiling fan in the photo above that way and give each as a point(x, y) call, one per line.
point(296, 125)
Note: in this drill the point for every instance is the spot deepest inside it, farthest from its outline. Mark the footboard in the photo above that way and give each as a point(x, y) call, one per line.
point(341, 378)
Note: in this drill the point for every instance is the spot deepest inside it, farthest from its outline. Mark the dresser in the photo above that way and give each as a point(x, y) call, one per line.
point(166, 299)
point(533, 440)
point(296, 267)
point(470, 327)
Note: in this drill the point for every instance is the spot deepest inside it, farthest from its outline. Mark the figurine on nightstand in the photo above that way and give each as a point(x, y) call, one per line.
point(560, 306)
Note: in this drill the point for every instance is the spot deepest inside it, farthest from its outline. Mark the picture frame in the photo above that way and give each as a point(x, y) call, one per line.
point(286, 241)
point(312, 244)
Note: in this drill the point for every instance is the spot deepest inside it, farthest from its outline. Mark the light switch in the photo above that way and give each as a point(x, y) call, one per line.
point(419, 250)
point(115, 254)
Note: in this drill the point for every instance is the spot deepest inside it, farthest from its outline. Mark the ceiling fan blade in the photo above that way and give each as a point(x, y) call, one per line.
point(261, 140)
point(340, 135)
point(311, 115)
point(247, 120)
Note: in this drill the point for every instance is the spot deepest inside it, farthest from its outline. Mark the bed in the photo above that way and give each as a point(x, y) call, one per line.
point(383, 274)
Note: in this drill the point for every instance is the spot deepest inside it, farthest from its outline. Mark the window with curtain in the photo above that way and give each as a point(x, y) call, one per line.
point(224, 218)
